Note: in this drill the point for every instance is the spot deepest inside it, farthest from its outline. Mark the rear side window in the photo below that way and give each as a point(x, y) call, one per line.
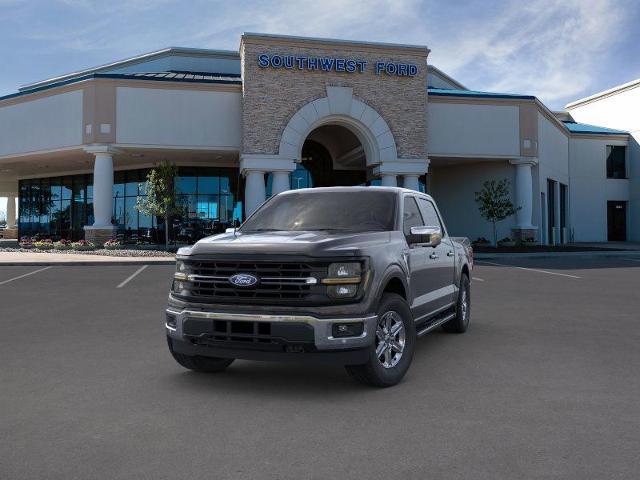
point(429, 213)
point(411, 216)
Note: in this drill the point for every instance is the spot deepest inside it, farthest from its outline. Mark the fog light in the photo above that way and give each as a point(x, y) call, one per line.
point(342, 291)
point(171, 320)
point(352, 329)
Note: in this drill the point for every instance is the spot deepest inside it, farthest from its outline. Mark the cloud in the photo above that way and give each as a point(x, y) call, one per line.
point(557, 50)
point(546, 48)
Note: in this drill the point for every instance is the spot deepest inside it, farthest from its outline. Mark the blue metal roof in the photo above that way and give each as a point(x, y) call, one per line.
point(445, 92)
point(188, 77)
point(575, 127)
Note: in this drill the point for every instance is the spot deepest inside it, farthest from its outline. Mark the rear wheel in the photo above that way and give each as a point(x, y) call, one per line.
point(392, 350)
point(460, 322)
point(200, 364)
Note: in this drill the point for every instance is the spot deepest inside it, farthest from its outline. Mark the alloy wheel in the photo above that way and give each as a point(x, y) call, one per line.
point(390, 339)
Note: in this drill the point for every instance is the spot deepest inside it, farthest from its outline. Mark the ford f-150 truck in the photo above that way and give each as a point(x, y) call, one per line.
point(351, 275)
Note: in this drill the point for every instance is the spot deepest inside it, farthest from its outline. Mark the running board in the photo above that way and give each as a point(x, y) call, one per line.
point(436, 324)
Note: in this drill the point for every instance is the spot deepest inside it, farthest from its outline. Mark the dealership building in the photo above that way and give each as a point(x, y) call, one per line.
point(289, 112)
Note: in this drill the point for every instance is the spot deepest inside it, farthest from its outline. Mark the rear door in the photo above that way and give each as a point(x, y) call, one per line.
point(440, 260)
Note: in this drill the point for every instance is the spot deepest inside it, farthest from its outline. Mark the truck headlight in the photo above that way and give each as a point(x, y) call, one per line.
point(342, 291)
point(180, 287)
point(343, 279)
point(182, 271)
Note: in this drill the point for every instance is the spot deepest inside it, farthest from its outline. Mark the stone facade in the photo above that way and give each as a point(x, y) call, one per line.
point(272, 96)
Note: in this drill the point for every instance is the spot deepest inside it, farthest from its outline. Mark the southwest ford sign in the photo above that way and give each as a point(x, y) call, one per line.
point(334, 64)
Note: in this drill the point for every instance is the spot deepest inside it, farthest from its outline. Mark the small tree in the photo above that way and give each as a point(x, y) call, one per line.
point(160, 200)
point(494, 203)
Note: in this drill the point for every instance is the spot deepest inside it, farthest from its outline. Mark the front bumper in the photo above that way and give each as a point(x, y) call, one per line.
point(268, 336)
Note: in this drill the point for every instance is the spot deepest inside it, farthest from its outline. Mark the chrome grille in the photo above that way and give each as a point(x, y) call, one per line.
point(209, 280)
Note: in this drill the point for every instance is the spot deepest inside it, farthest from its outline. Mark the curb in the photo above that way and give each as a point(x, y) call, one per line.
point(617, 253)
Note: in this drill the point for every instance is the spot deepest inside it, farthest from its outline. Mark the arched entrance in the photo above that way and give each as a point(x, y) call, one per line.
point(333, 156)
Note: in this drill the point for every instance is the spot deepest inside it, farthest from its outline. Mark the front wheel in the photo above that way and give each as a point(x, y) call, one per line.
point(392, 350)
point(460, 322)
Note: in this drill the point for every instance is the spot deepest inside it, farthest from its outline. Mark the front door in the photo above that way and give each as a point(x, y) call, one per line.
point(617, 221)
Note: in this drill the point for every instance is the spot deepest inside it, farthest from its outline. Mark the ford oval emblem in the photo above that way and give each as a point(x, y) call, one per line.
point(243, 280)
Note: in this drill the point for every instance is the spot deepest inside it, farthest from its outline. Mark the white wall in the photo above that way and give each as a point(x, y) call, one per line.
point(553, 163)
point(190, 118)
point(42, 124)
point(465, 129)
point(454, 187)
point(589, 189)
point(620, 111)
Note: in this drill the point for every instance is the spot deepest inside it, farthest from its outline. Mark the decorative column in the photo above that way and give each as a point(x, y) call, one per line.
point(253, 166)
point(524, 228)
point(11, 232)
point(102, 229)
point(280, 182)
point(409, 168)
point(389, 180)
point(11, 212)
point(255, 191)
point(412, 182)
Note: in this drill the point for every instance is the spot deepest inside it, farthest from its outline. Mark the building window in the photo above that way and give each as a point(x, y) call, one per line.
point(59, 207)
point(616, 161)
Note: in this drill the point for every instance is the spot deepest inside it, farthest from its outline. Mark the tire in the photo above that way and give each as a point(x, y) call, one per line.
point(200, 364)
point(460, 322)
point(388, 369)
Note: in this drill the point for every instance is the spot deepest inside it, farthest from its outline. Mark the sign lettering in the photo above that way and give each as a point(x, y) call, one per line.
point(332, 64)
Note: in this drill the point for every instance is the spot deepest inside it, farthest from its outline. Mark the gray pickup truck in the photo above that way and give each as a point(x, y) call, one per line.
point(349, 275)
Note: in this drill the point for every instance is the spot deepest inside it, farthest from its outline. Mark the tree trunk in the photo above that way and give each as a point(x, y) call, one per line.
point(495, 235)
point(166, 232)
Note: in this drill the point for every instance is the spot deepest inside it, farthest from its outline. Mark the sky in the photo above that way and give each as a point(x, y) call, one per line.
point(557, 50)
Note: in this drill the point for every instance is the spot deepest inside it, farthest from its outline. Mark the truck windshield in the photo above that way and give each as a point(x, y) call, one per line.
point(357, 211)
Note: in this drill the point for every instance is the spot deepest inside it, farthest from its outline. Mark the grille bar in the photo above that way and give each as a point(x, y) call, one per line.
point(279, 281)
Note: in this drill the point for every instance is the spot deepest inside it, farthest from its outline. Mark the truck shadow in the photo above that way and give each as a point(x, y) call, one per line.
point(301, 380)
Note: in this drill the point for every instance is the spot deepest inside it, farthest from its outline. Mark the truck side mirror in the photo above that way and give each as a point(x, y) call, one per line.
point(425, 236)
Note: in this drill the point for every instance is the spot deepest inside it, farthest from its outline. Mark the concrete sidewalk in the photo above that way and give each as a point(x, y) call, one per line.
point(36, 259)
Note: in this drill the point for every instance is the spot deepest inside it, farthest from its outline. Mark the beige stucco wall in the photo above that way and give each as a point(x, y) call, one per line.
point(272, 96)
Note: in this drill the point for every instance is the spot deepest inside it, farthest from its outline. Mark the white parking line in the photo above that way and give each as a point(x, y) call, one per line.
point(528, 269)
point(25, 275)
point(132, 276)
point(477, 279)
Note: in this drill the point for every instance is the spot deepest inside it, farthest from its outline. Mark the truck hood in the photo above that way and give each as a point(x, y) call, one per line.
point(306, 243)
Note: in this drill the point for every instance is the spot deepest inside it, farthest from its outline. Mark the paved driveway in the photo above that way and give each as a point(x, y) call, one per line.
point(545, 384)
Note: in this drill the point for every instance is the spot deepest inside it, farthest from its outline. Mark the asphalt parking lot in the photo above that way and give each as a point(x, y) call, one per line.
point(545, 384)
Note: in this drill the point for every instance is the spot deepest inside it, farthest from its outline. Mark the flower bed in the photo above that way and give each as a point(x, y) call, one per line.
point(83, 245)
point(62, 245)
point(113, 245)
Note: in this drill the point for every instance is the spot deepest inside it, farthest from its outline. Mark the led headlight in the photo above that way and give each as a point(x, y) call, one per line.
point(342, 291)
point(180, 287)
point(343, 279)
point(182, 270)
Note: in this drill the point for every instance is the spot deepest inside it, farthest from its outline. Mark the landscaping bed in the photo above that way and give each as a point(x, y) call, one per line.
point(102, 252)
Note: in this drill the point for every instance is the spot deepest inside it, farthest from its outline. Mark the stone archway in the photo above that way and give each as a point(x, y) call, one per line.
point(339, 107)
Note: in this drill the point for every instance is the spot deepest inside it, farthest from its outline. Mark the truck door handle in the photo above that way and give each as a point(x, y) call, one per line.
point(450, 253)
point(433, 256)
